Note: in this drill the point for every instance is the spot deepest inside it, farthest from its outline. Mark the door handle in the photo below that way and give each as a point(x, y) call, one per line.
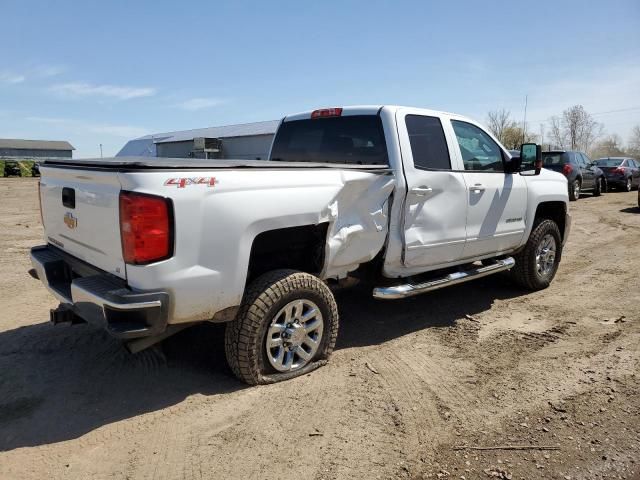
point(421, 191)
point(477, 188)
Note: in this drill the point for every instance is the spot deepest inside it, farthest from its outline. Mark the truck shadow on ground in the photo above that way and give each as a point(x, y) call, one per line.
point(631, 210)
point(59, 383)
point(365, 321)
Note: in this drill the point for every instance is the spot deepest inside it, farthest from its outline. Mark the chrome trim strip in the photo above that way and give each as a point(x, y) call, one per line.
point(409, 290)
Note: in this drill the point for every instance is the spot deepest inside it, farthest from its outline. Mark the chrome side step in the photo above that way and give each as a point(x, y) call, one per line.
point(408, 290)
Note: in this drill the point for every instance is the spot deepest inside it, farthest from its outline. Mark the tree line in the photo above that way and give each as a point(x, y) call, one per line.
point(574, 129)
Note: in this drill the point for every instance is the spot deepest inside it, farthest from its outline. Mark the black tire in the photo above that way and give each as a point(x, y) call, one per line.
point(246, 335)
point(574, 192)
point(525, 273)
point(597, 190)
point(628, 185)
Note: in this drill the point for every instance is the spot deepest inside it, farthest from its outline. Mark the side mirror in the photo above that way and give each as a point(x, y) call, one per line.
point(530, 159)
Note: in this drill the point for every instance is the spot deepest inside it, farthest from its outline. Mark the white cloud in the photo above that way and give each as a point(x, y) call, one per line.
point(81, 89)
point(49, 120)
point(75, 126)
point(47, 71)
point(10, 77)
point(201, 103)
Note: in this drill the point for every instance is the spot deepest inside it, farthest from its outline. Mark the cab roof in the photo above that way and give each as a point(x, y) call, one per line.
point(364, 110)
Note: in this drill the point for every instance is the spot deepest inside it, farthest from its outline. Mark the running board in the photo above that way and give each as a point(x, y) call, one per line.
point(409, 290)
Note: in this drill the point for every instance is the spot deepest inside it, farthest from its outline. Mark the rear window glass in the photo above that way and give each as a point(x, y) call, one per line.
point(428, 145)
point(608, 162)
point(356, 139)
point(551, 159)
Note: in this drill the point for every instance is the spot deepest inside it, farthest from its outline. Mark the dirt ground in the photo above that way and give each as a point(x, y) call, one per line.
point(478, 365)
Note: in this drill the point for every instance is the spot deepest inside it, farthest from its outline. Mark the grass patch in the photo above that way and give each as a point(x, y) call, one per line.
point(24, 167)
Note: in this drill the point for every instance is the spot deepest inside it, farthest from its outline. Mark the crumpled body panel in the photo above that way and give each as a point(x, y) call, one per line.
point(359, 224)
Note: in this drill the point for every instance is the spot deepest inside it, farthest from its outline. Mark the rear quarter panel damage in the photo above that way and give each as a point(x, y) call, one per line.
point(215, 227)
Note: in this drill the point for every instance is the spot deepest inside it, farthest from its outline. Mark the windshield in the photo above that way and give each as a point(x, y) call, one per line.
point(356, 139)
point(608, 162)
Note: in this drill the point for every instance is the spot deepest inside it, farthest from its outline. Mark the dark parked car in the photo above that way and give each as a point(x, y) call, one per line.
point(11, 169)
point(35, 169)
point(582, 175)
point(620, 172)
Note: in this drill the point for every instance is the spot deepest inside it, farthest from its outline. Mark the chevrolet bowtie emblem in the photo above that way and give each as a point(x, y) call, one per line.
point(70, 221)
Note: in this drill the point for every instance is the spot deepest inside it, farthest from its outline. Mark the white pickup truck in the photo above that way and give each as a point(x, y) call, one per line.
point(410, 200)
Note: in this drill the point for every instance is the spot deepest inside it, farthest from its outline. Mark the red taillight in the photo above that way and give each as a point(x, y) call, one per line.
point(619, 171)
point(145, 227)
point(326, 112)
point(567, 169)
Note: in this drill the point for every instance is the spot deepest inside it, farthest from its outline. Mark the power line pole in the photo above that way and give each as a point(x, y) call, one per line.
point(524, 121)
point(100, 150)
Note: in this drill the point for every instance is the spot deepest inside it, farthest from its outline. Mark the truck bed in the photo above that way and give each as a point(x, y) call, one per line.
point(155, 163)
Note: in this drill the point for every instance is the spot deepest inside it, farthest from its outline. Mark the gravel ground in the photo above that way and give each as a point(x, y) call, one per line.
point(413, 384)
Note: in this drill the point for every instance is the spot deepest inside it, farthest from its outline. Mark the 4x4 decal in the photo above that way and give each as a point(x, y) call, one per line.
point(184, 182)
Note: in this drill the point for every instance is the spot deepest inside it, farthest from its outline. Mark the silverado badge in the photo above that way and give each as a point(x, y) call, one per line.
point(70, 221)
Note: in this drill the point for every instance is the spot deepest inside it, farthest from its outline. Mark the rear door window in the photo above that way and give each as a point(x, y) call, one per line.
point(428, 143)
point(354, 139)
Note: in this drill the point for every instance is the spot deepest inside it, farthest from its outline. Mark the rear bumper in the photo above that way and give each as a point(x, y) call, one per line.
point(100, 298)
point(616, 181)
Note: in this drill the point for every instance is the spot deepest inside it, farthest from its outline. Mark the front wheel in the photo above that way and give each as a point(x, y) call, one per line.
point(537, 263)
point(286, 326)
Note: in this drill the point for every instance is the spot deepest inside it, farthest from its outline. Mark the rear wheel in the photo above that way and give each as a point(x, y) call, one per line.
point(286, 326)
point(537, 263)
point(597, 190)
point(574, 190)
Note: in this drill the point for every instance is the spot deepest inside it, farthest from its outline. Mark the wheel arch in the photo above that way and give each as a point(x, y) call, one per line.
point(553, 210)
point(300, 247)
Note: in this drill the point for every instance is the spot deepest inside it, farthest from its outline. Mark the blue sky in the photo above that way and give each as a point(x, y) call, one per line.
point(103, 72)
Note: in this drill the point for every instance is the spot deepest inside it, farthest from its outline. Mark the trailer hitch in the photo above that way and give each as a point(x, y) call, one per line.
point(64, 314)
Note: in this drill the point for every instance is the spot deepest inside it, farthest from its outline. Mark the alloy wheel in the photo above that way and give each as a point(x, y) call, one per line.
point(294, 336)
point(546, 255)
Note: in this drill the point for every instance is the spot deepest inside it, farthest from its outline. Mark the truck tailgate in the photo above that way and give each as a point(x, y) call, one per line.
point(80, 213)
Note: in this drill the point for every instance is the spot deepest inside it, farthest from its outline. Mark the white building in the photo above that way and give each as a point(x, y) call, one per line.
point(247, 141)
